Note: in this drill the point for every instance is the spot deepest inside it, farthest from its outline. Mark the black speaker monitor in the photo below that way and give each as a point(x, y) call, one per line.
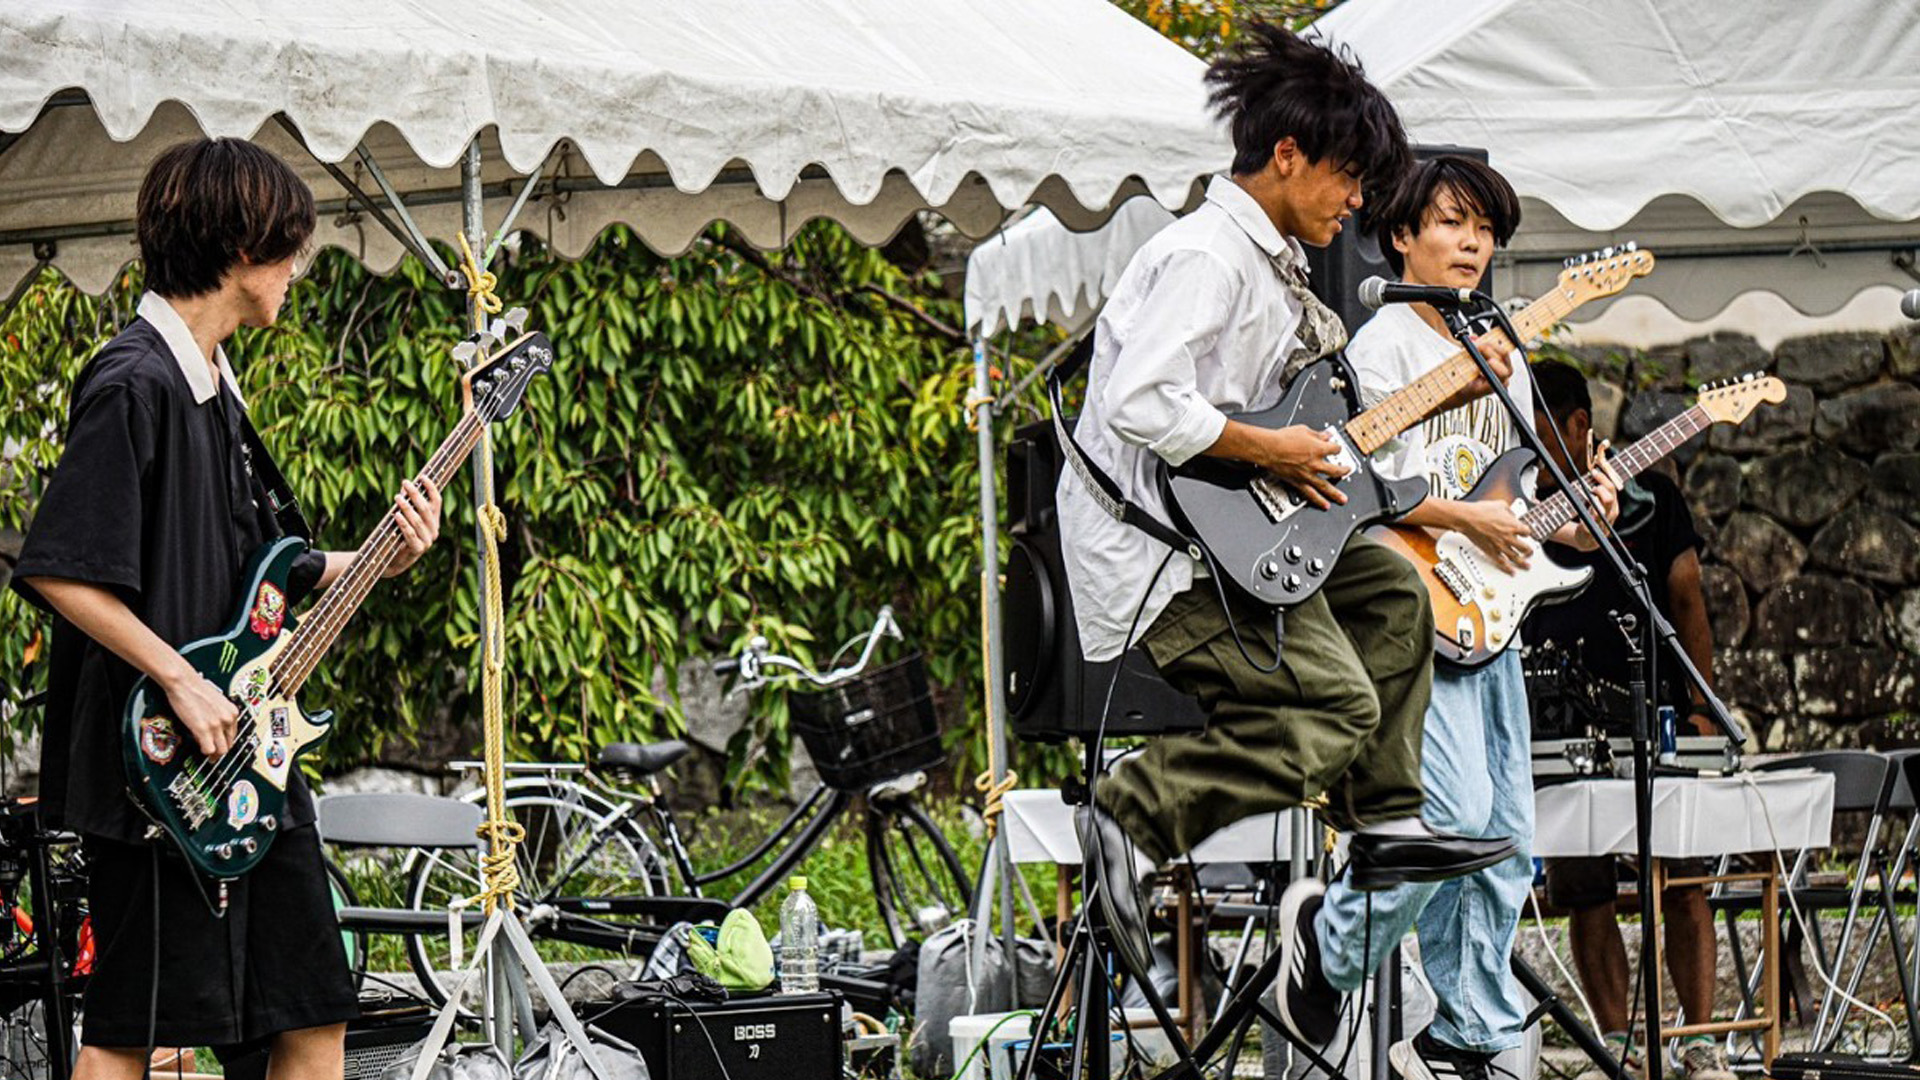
point(1336, 271)
point(1053, 692)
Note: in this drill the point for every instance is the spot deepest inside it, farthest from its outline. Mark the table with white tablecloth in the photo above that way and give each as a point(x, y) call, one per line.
point(1693, 817)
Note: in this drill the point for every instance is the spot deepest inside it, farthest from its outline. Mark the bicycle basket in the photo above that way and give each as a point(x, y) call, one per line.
point(871, 728)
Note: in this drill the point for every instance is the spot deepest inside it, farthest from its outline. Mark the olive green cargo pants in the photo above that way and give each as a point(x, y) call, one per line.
point(1341, 717)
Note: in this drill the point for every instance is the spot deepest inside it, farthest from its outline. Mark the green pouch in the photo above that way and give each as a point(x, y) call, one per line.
point(742, 960)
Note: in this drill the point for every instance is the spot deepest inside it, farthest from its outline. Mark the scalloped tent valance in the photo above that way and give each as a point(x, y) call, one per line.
point(1763, 146)
point(663, 114)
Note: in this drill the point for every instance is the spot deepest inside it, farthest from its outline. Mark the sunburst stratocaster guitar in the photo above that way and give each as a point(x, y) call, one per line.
point(223, 813)
point(1477, 607)
point(1276, 547)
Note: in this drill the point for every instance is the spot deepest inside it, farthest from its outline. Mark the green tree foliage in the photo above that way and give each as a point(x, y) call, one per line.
point(731, 442)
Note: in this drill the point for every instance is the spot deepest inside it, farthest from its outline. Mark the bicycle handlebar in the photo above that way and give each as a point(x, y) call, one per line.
point(753, 661)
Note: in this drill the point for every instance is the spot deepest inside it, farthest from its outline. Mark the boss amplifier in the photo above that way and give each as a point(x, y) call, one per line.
point(767, 1038)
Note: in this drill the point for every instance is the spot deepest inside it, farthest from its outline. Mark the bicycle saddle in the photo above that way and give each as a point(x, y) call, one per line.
point(643, 759)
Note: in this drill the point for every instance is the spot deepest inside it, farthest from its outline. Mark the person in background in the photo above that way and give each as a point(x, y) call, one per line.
point(1658, 531)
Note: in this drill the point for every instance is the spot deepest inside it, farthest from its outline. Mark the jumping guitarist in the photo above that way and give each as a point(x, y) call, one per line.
point(1440, 227)
point(1211, 317)
point(137, 548)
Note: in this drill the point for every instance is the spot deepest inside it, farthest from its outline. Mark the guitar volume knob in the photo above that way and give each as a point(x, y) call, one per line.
point(1315, 567)
point(1269, 569)
point(1293, 553)
point(1291, 583)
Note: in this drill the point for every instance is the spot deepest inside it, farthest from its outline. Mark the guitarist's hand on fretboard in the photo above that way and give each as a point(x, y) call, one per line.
point(1603, 484)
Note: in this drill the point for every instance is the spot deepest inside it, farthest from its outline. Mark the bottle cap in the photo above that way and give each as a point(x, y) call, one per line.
point(797, 883)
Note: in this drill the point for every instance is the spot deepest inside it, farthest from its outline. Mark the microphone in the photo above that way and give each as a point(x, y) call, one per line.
point(1909, 304)
point(1377, 292)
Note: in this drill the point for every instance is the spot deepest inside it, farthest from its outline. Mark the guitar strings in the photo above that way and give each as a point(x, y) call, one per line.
point(333, 614)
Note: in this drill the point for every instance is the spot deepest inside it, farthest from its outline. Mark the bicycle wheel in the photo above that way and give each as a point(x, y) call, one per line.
point(570, 852)
point(919, 884)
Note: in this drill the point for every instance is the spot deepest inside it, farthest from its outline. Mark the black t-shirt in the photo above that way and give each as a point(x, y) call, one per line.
point(1656, 537)
point(155, 500)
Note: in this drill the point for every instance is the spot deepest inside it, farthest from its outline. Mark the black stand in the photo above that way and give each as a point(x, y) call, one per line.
point(1089, 964)
point(45, 967)
point(1633, 576)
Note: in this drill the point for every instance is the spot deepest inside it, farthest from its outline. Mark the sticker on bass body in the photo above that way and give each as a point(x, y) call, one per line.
point(243, 804)
point(278, 726)
point(276, 755)
point(158, 740)
point(269, 610)
point(254, 689)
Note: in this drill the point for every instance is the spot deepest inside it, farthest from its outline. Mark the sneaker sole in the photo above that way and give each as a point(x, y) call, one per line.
point(1291, 902)
point(1380, 881)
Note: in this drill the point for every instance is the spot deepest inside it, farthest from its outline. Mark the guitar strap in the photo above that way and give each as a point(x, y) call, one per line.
point(286, 508)
point(1101, 487)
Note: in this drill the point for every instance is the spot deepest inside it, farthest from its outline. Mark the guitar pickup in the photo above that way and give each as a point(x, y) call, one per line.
point(193, 802)
point(1455, 581)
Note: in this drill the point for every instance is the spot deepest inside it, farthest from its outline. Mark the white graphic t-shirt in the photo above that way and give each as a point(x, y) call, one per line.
point(1452, 449)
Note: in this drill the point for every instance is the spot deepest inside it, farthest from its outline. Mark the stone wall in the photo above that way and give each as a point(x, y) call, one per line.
point(1809, 509)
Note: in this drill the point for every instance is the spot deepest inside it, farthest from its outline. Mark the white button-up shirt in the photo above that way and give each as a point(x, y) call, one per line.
point(1199, 326)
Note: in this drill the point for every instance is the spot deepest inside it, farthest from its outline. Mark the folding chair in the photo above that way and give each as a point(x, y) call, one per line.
point(1865, 782)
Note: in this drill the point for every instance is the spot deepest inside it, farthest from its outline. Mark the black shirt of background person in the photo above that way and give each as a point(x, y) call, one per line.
point(153, 500)
point(1582, 624)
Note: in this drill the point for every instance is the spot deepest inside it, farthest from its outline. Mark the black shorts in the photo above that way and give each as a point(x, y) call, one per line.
point(1575, 884)
point(274, 963)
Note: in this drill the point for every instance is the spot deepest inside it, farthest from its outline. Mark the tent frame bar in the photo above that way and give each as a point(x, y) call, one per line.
point(1894, 249)
point(420, 245)
point(412, 241)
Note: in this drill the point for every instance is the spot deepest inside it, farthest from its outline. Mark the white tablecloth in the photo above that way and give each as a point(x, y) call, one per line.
point(1040, 830)
point(1692, 817)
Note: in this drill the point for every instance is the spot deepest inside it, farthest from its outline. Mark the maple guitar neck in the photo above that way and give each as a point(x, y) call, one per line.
point(1423, 397)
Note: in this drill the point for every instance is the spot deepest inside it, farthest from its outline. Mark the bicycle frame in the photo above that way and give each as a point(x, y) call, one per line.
point(815, 814)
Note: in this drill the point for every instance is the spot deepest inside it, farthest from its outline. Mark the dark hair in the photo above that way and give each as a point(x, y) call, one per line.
point(207, 203)
point(1275, 84)
point(1475, 184)
point(1562, 390)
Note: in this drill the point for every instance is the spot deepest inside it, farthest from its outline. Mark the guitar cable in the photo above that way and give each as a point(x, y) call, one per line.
point(153, 980)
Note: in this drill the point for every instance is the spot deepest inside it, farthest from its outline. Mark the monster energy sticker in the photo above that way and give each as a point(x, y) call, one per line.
point(158, 740)
point(278, 726)
point(229, 656)
point(269, 610)
point(276, 755)
point(243, 804)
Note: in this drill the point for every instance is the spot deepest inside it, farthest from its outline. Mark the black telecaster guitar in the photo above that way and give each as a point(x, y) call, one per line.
point(223, 813)
point(1274, 546)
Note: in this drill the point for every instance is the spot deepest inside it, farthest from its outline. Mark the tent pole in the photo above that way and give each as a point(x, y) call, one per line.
point(996, 696)
point(473, 223)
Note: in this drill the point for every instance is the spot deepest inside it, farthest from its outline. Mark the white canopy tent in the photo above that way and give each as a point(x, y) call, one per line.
point(419, 120)
point(1766, 146)
point(663, 114)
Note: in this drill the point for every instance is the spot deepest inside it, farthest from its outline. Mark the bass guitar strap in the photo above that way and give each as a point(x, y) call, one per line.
point(280, 498)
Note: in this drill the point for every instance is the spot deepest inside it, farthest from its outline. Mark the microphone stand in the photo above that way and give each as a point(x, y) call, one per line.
point(1654, 625)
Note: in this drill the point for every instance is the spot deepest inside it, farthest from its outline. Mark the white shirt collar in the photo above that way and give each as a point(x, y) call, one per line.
point(1253, 220)
point(186, 352)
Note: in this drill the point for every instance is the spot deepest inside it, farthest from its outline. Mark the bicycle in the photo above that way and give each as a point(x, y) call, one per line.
point(872, 734)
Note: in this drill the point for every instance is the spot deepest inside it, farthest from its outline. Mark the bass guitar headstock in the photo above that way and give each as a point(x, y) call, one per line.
point(1604, 272)
point(494, 386)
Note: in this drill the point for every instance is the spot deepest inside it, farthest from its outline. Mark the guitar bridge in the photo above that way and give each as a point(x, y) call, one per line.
point(193, 803)
point(1455, 581)
point(1276, 500)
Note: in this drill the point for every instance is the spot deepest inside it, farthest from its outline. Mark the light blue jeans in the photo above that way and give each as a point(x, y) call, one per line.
point(1475, 766)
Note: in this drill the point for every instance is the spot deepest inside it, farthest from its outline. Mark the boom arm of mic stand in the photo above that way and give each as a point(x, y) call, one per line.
point(1609, 542)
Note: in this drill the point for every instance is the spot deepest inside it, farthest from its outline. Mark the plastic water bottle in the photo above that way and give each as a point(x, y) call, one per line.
point(799, 941)
point(1669, 735)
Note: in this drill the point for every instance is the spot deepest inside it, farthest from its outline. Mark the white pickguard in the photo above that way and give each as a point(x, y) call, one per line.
point(1501, 597)
point(1279, 499)
point(281, 723)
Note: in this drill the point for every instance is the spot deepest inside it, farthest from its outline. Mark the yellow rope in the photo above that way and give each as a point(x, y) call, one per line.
point(995, 793)
point(499, 874)
point(480, 285)
point(974, 401)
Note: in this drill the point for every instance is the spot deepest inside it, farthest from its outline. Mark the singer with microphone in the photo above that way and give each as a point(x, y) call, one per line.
point(1438, 229)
